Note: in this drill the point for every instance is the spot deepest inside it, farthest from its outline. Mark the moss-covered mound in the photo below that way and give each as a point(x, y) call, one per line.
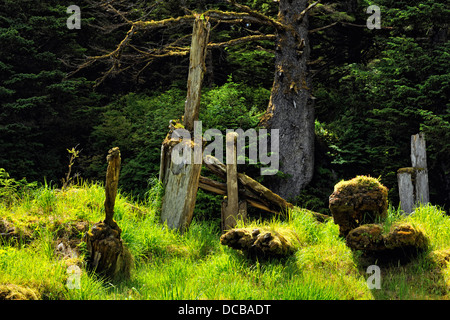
point(403, 240)
point(261, 242)
point(361, 200)
point(16, 292)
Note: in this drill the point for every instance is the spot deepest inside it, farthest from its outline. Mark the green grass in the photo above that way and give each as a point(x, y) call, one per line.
point(168, 265)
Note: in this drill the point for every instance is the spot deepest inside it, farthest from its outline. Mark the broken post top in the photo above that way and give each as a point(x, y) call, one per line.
point(197, 67)
point(418, 151)
point(113, 154)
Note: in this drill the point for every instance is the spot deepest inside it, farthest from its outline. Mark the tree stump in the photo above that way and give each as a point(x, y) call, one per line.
point(106, 252)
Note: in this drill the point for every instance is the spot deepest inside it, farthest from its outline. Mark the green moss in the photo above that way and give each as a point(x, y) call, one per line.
point(360, 184)
point(16, 292)
point(410, 170)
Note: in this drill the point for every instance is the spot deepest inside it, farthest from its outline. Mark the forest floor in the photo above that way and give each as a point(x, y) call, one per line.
point(42, 234)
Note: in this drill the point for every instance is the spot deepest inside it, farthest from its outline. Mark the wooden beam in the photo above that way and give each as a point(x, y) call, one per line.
point(212, 186)
point(250, 184)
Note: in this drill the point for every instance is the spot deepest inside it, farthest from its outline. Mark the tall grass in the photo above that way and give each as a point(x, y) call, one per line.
point(194, 265)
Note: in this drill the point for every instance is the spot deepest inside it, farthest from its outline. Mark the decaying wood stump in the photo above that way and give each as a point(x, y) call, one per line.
point(440, 257)
point(358, 201)
point(261, 242)
point(106, 253)
point(180, 183)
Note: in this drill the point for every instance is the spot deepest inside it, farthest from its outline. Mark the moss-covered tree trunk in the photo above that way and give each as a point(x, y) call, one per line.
point(290, 108)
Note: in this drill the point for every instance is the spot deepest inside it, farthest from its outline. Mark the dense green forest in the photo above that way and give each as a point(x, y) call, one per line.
point(372, 90)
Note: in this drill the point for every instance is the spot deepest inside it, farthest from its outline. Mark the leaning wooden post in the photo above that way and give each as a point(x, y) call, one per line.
point(181, 178)
point(197, 69)
point(106, 252)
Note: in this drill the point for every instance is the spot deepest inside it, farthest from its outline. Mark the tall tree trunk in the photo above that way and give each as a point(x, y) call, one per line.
point(290, 108)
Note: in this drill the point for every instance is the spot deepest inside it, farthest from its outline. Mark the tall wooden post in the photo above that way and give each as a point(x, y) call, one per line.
point(197, 69)
point(413, 181)
point(181, 179)
point(419, 161)
point(230, 207)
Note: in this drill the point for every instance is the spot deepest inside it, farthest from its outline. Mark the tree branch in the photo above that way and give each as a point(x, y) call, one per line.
point(238, 41)
point(173, 49)
point(304, 12)
point(261, 17)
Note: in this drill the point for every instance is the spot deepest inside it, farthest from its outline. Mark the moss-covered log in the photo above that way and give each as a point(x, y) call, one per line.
point(261, 242)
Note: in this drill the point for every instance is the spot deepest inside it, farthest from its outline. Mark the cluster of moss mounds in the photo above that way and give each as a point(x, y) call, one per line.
point(359, 206)
point(358, 201)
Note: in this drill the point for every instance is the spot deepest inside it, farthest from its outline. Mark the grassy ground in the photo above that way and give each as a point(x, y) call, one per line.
point(195, 265)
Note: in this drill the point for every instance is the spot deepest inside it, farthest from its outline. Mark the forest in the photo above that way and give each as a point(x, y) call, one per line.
point(71, 93)
point(373, 89)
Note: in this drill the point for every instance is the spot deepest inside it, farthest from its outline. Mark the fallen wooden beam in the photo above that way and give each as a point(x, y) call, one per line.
point(212, 186)
point(221, 189)
point(219, 169)
point(260, 205)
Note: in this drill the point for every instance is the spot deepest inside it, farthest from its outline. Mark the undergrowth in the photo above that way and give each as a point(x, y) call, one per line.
point(194, 265)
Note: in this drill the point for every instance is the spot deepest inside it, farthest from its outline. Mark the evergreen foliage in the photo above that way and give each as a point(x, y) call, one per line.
point(373, 90)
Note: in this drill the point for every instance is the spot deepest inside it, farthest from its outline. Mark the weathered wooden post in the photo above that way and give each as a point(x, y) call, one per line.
point(413, 181)
point(232, 208)
point(181, 180)
point(419, 162)
point(406, 188)
point(106, 252)
point(197, 69)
